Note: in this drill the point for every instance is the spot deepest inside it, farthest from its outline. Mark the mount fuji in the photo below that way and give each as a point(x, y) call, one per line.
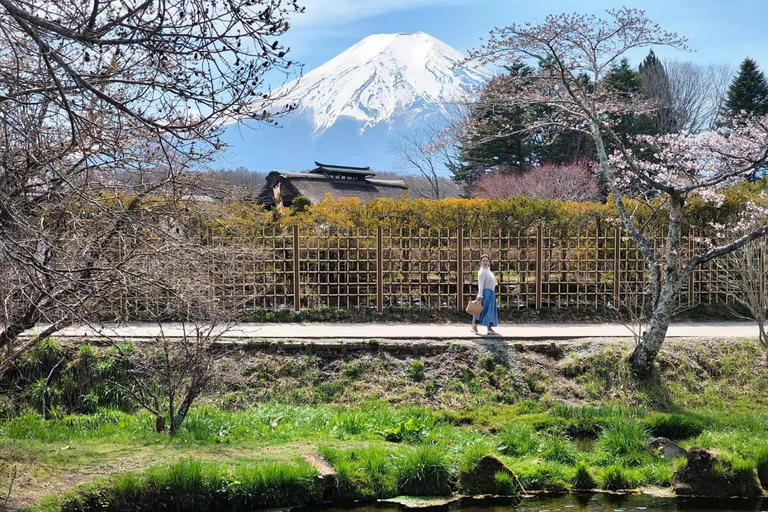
point(351, 107)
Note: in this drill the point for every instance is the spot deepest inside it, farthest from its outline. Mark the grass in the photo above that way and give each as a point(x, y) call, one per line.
point(417, 371)
point(582, 478)
point(388, 446)
point(617, 478)
point(425, 471)
point(516, 440)
point(192, 485)
point(623, 440)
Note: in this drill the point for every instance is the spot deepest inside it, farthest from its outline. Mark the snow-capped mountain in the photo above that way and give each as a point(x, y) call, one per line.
point(384, 76)
point(349, 107)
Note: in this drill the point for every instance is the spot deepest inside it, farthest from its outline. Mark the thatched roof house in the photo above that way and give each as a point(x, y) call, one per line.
point(338, 181)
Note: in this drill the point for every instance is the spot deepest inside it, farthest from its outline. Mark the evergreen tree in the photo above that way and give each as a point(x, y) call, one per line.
point(655, 85)
point(625, 82)
point(748, 91)
point(483, 148)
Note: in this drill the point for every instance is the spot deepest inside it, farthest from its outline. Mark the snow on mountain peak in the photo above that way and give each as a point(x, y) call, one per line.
point(384, 76)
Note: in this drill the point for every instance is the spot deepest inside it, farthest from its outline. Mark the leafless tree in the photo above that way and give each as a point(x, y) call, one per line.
point(415, 153)
point(697, 92)
point(91, 92)
point(745, 283)
point(167, 375)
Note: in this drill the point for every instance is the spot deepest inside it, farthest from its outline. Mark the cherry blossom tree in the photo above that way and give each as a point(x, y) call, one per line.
point(574, 53)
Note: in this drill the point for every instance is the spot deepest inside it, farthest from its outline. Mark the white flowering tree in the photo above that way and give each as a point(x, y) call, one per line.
point(574, 52)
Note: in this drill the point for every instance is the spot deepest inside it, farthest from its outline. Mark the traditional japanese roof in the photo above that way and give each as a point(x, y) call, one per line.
point(342, 169)
point(315, 186)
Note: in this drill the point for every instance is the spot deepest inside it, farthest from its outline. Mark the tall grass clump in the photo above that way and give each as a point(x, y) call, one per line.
point(616, 478)
point(676, 426)
point(272, 485)
point(622, 439)
point(556, 448)
point(425, 471)
point(471, 454)
point(582, 478)
point(505, 484)
point(364, 473)
point(518, 440)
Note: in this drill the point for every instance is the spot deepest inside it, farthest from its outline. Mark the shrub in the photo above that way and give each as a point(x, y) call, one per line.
point(417, 371)
point(410, 431)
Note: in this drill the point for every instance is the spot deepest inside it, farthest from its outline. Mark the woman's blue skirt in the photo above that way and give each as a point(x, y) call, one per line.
point(490, 314)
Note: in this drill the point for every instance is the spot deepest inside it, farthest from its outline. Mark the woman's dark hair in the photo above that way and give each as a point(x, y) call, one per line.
point(485, 256)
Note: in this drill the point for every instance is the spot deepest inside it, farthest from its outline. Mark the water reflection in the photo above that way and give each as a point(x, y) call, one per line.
point(585, 502)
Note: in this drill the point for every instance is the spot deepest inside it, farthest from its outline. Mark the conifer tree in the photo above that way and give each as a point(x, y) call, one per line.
point(748, 92)
point(656, 86)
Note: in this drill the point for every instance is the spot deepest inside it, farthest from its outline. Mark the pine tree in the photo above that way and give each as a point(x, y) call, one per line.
point(482, 149)
point(748, 92)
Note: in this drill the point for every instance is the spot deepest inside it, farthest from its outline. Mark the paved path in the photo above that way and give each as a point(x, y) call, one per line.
point(416, 331)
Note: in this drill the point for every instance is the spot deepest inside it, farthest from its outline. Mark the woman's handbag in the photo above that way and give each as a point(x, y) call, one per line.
point(474, 308)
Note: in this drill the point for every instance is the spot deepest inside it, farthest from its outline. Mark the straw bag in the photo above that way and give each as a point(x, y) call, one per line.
point(474, 308)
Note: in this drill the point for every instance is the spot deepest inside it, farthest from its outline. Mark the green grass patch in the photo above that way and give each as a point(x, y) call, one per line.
point(425, 471)
point(617, 478)
point(516, 440)
point(582, 478)
point(623, 440)
point(196, 486)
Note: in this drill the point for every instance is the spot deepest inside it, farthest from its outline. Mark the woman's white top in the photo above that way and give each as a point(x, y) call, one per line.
point(485, 280)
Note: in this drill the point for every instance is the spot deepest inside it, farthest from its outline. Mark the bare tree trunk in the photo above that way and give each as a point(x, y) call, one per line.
point(178, 419)
point(646, 351)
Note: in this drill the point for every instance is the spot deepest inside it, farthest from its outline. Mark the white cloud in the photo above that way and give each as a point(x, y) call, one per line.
point(339, 12)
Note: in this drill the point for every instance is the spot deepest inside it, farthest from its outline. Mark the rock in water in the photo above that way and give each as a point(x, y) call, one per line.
point(482, 478)
point(707, 474)
point(666, 449)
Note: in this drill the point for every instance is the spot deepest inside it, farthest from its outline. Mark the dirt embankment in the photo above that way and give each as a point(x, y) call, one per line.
point(691, 373)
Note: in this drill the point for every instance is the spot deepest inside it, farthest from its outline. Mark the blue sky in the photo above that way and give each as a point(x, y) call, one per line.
point(719, 31)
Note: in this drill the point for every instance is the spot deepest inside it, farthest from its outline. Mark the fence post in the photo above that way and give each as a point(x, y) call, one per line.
point(691, 281)
point(539, 259)
point(616, 267)
point(379, 270)
point(460, 268)
point(296, 287)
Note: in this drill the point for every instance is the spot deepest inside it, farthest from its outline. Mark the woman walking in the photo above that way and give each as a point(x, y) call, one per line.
point(486, 295)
